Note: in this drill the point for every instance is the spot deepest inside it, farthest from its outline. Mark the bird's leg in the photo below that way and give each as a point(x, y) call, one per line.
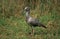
point(32, 33)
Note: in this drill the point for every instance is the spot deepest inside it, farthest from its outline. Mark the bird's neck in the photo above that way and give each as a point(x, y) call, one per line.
point(28, 14)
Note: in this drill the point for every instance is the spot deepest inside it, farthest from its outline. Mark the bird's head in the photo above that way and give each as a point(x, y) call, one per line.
point(27, 9)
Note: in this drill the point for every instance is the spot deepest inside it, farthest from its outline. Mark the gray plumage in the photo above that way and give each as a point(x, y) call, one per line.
point(32, 21)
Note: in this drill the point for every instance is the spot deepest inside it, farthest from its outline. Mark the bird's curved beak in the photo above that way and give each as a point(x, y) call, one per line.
point(23, 12)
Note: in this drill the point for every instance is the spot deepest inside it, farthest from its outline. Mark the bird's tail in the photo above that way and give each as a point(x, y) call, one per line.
point(42, 25)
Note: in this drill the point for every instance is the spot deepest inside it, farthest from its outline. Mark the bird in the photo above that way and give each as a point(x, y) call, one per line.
point(33, 22)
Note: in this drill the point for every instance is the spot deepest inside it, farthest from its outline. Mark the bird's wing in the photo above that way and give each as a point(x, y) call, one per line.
point(33, 21)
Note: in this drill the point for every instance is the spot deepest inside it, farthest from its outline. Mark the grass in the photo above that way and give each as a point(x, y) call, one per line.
point(14, 26)
point(17, 28)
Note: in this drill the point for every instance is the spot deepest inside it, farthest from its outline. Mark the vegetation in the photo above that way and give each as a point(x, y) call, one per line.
point(12, 19)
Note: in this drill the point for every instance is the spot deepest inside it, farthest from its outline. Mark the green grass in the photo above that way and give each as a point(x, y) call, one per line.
point(14, 26)
point(17, 28)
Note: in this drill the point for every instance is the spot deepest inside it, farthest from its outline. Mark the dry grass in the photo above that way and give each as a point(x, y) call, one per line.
point(12, 19)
